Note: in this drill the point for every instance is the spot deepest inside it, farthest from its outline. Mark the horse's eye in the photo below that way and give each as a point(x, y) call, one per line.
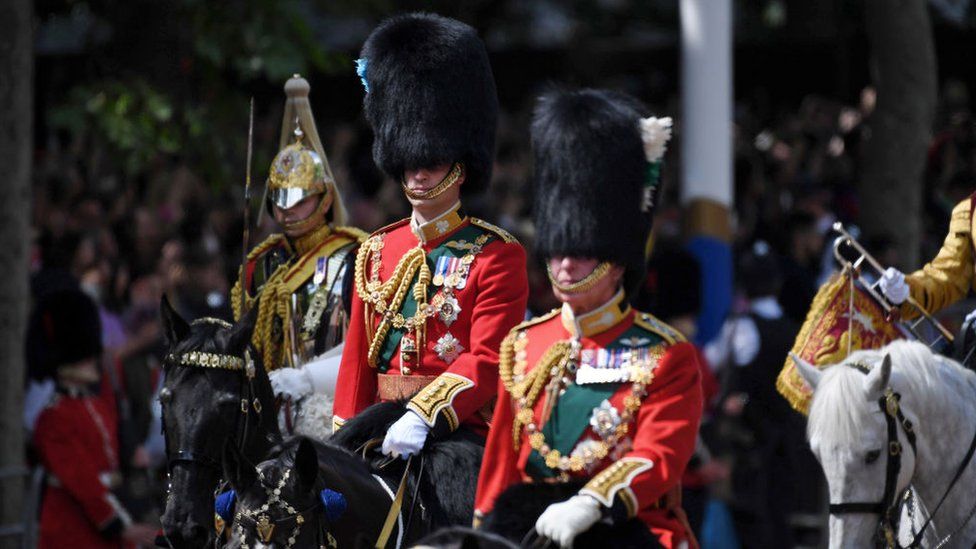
point(165, 395)
point(872, 456)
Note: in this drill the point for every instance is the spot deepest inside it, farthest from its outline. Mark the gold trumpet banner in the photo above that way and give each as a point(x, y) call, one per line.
point(828, 334)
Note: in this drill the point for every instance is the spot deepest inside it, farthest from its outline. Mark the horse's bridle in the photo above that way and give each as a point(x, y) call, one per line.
point(264, 525)
point(887, 508)
point(249, 399)
point(889, 403)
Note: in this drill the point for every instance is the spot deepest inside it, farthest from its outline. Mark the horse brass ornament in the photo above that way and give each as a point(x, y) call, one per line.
point(265, 528)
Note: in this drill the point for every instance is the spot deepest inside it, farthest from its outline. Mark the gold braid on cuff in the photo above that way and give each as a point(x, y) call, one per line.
point(452, 177)
point(581, 286)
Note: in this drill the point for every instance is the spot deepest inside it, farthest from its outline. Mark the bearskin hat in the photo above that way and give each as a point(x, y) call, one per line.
point(594, 183)
point(64, 328)
point(430, 96)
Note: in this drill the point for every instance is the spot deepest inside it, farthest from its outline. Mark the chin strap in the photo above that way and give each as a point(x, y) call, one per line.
point(580, 286)
point(452, 177)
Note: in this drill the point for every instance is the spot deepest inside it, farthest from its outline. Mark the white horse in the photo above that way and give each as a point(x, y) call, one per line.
point(850, 431)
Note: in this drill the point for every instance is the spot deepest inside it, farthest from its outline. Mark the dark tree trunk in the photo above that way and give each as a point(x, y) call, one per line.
point(904, 73)
point(16, 85)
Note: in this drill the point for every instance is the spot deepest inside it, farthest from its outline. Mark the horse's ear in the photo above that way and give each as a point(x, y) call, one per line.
point(237, 470)
point(878, 378)
point(240, 334)
point(175, 328)
point(306, 463)
point(810, 373)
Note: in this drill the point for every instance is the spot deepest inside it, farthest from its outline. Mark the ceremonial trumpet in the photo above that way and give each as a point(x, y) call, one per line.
point(872, 289)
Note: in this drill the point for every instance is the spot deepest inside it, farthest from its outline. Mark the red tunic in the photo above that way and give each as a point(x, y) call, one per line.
point(76, 439)
point(646, 464)
point(455, 368)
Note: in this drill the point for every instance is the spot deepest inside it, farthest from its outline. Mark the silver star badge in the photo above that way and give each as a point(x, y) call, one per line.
point(605, 419)
point(449, 310)
point(448, 348)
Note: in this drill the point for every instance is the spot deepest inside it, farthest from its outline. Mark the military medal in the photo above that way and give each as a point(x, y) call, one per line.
point(448, 348)
point(319, 276)
point(605, 419)
point(440, 270)
point(448, 310)
point(615, 365)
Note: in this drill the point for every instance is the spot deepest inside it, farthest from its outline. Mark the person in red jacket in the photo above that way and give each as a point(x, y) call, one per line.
point(434, 293)
point(76, 436)
point(596, 392)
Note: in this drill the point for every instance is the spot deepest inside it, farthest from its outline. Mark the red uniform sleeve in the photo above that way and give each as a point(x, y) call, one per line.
point(356, 382)
point(66, 458)
point(499, 468)
point(471, 381)
point(664, 440)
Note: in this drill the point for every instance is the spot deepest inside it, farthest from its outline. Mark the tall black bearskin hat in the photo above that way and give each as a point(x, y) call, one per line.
point(596, 175)
point(430, 96)
point(64, 328)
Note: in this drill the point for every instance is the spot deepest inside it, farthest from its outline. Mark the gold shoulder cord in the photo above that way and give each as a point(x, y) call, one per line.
point(525, 392)
point(387, 298)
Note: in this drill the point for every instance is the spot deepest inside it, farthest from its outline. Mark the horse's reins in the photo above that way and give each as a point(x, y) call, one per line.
point(396, 505)
point(890, 407)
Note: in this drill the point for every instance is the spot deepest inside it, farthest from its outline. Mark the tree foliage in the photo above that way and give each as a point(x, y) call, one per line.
point(170, 79)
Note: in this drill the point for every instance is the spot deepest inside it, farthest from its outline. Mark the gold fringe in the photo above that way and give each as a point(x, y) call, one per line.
point(274, 301)
point(789, 383)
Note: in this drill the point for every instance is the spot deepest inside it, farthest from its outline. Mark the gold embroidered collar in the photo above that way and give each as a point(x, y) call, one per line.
point(306, 243)
point(441, 225)
point(599, 320)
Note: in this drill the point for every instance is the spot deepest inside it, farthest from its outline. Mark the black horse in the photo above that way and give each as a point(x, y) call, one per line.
point(291, 500)
point(213, 394)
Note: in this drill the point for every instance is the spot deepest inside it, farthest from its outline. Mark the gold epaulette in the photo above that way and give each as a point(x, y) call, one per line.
point(358, 235)
point(268, 243)
point(536, 320)
point(390, 227)
point(654, 325)
point(498, 231)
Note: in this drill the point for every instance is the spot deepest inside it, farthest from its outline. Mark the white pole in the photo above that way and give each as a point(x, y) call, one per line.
point(706, 84)
point(706, 152)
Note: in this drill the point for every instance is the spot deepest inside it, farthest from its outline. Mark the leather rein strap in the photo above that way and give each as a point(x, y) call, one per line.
point(395, 507)
point(889, 406)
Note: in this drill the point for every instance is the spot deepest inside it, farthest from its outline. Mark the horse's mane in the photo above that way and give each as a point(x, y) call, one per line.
point(839, 401)
point(202, 337)
point(330, 455)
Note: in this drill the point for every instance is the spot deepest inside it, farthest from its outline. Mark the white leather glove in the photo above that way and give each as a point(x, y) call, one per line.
point(406, 436)
point(893, 285)
point(291, 383)
point(562, 522)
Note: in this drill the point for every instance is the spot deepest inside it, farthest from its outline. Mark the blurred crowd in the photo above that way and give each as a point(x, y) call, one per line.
point(127, 242)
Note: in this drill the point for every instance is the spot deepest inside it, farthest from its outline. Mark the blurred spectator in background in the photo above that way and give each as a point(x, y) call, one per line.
point(750, 350)
point(797, 282)
point(76, 438)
